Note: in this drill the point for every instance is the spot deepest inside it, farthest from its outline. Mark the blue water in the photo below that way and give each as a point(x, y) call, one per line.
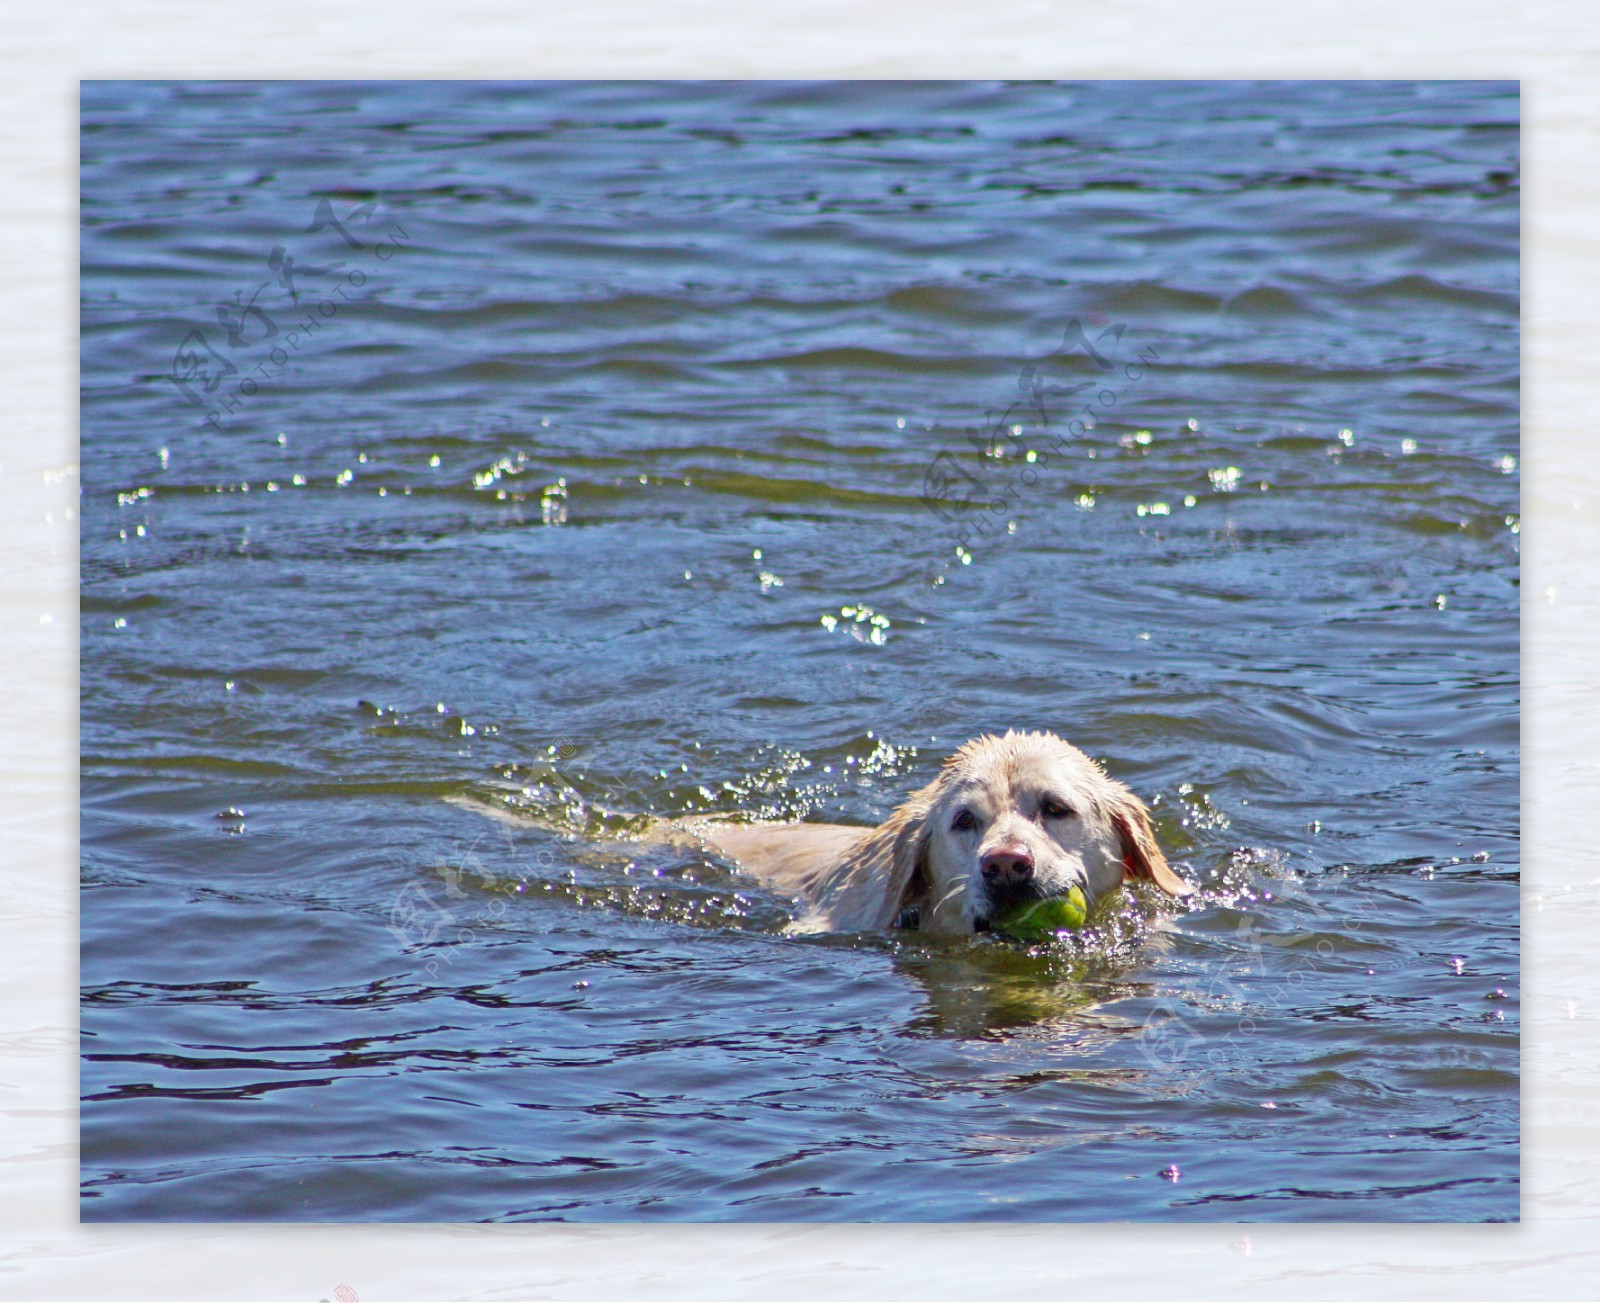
point(664, 447)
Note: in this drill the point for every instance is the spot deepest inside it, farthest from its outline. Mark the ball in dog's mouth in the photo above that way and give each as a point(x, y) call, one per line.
point(1039, 920)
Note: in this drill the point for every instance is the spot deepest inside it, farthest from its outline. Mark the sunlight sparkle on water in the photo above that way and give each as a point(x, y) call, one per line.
point(861, 622)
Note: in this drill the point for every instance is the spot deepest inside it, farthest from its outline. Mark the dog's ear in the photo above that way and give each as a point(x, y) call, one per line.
point(1141, 857)
point(908, 831)
point(897, 856)
point(884, 874)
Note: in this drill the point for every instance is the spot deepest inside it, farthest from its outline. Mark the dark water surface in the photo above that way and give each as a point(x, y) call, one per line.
point(632, 447)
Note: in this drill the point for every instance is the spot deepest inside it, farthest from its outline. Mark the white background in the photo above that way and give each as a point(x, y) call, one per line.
point(1551, 47)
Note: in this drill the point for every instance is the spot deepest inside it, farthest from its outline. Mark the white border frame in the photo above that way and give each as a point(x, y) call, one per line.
point(45, 1254)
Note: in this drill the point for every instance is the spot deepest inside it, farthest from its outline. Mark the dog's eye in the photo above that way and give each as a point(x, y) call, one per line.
point(964, 821)
point(1053, 809)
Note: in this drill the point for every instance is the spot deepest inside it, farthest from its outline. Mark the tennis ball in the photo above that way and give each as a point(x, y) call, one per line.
point(1042, 919)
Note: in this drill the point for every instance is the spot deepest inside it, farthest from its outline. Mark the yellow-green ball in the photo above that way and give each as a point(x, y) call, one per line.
point(1042, 919)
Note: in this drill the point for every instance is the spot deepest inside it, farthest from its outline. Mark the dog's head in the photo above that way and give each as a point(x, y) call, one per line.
point(1019, 818)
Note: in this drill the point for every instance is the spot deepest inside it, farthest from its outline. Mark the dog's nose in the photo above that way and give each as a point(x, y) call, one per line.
point(1009, 866)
